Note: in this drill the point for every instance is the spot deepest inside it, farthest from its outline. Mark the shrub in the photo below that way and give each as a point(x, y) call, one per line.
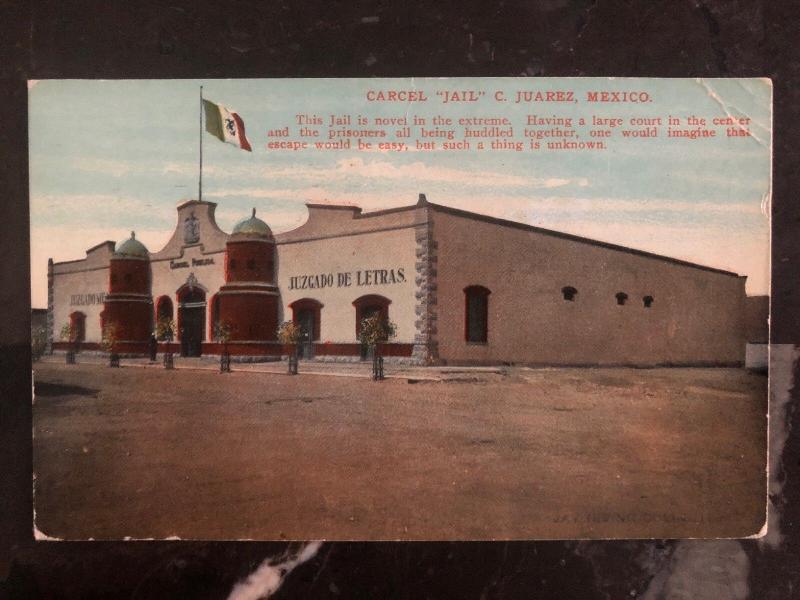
point(376, 329)
point(222, 332)
point(38, 342)
point(165, 329)
point(68, 333)
point(110, 337)
point(289, 333)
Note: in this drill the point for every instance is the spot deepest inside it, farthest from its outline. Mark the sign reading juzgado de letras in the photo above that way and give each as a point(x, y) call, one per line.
point(347, 279)
point(87, 299)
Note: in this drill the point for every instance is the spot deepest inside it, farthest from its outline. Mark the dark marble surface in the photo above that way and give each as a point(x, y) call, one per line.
point(98, 39)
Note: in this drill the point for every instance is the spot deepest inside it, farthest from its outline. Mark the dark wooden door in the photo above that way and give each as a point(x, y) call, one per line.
point(193, 321)
point(305, 319)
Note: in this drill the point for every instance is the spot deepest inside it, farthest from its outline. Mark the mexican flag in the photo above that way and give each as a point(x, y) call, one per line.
point(225, 125)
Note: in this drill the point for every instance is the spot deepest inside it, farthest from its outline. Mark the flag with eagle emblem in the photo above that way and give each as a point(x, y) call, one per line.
point(225, 125)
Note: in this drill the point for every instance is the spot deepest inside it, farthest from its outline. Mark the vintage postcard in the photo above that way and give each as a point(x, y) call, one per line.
point(400, 309)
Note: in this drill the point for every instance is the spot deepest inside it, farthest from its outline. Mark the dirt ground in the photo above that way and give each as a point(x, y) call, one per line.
point(530, 454)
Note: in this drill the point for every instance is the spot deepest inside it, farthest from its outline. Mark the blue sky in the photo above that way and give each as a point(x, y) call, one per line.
point(107, 157)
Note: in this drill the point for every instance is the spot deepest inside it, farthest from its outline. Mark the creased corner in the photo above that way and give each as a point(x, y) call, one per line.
point(729, 110)
point(41, 536)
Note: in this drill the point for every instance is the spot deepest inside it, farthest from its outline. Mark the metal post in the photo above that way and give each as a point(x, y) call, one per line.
point(293, 361)
point(377, 363)
point(225, 359)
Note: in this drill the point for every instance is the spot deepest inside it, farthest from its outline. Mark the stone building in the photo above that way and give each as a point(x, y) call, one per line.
point(461, 287)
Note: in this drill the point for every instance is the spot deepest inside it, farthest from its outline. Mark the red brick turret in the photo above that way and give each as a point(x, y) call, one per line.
point(129, 303)
point(248, 302)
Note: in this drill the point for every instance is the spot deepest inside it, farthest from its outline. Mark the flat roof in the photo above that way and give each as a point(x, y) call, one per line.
point(334, 206)
point(486, 219)
point(550, 232)
point(576, 238)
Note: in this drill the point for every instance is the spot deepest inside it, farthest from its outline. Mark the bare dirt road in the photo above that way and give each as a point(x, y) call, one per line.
point(532, 454)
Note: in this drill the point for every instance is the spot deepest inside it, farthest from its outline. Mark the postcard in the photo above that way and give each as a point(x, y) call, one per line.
point(400, 309)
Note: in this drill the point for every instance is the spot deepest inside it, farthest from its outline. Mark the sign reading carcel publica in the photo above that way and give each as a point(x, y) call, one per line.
point(196, 262)
point(358, 278)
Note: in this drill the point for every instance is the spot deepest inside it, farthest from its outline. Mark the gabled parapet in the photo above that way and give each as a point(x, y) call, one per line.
point(327, 220)
point(97, 257)
point(196, 226)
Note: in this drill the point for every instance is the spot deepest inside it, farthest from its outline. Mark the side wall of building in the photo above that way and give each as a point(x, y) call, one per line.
point(80, 286)
point(697, 316)
point(336, 271)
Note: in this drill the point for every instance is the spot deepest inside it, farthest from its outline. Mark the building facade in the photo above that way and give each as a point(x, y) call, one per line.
point(462, 288)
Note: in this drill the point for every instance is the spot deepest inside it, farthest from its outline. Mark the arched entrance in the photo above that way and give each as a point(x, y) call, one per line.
point(164, 309)
point(191, 317)
point(367, 306)
point(77, 323)
point(306, 313)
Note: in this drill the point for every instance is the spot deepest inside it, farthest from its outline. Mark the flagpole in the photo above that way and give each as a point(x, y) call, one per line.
point(200, 179)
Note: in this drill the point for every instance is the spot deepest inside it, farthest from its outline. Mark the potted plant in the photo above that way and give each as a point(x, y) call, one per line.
point(109, 343)
point(374, 331)
point(222, 335)
point(69, 334)
point(165, 332)
point(289, 334)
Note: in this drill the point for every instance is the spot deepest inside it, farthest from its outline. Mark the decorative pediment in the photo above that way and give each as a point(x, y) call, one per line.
point(192, 284)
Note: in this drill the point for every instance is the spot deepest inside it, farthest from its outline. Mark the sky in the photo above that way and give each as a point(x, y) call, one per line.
point(108, 157)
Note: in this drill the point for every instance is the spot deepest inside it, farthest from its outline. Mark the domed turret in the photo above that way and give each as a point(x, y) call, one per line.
point(248, 302)
point(132, 248)
point(250, 252)
point(252, 227)
point(128, 305)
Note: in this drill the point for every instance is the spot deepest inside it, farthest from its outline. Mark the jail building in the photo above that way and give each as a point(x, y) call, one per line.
point(461, 288)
